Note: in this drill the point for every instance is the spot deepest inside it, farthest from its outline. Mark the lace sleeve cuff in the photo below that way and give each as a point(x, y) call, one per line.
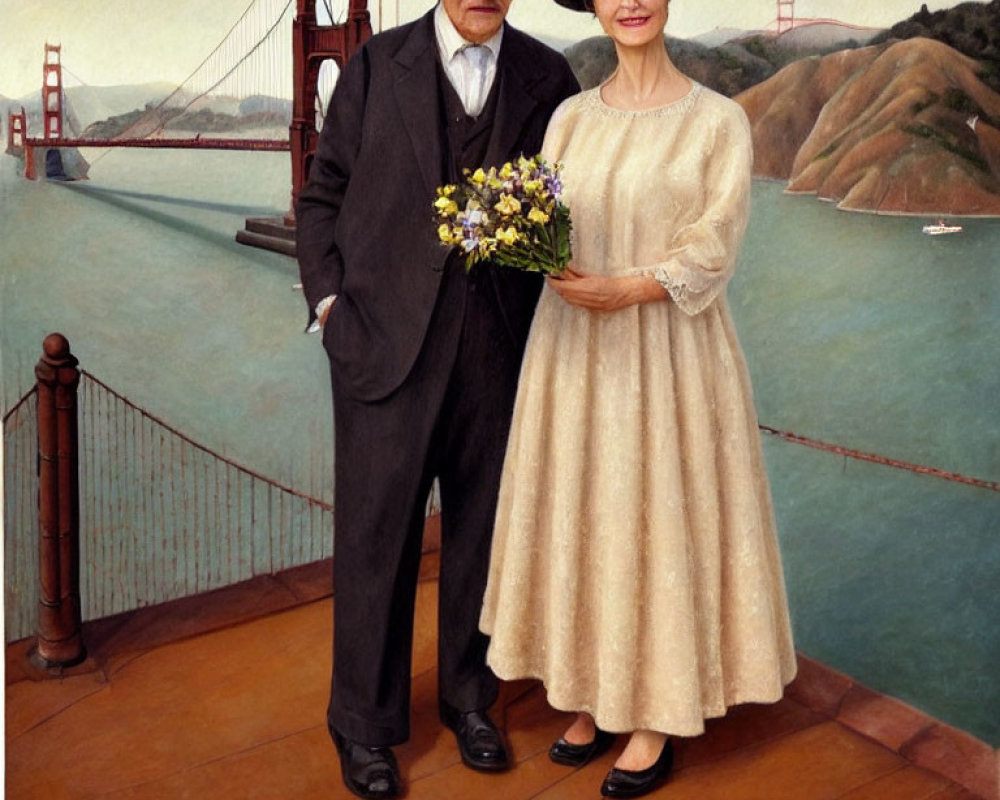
point(690, 300)
point(678, 290)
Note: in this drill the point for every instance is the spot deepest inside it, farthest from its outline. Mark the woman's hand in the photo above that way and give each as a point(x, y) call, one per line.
point(606, 292)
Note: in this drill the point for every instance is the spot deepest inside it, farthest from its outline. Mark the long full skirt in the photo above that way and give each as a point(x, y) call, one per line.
point(635, 567)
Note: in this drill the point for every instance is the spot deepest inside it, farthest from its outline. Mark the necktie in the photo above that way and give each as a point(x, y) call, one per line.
point(474, 96)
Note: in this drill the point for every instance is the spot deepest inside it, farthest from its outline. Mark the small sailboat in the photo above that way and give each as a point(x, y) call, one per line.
point(940, 227)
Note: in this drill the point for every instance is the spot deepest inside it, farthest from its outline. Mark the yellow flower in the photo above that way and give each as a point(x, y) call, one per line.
point(507, 171)
point(478, 176)
point(531, 187)
point(446, 191)
point(446, 206)
point(444, 233)
point(537, 215)
point(508, 205)
point(507, 235)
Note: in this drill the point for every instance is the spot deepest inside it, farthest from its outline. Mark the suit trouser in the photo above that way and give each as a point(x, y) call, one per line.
point(449, 419)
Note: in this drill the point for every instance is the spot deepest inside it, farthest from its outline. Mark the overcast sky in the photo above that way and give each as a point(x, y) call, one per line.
point(110, 42)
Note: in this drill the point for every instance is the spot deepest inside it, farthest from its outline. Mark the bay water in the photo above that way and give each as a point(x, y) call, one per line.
point(859, 330)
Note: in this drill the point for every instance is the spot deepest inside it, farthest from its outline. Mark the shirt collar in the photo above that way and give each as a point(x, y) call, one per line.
point(450, 41)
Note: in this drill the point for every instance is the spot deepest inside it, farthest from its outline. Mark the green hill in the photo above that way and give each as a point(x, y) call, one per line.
point(972, 29)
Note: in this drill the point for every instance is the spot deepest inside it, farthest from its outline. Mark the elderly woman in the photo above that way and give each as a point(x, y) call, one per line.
point(635, 568)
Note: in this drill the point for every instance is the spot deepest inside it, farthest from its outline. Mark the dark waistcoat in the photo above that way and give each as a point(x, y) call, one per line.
point(468, 139)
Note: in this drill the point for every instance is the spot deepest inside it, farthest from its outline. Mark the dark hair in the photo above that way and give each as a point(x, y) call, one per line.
point(577, 5)
point(584, 5)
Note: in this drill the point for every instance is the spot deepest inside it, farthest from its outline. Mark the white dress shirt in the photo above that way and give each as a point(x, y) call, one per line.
point(471, 77)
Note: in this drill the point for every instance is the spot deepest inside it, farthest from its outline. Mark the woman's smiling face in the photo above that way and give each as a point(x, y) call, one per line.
point(632, 23)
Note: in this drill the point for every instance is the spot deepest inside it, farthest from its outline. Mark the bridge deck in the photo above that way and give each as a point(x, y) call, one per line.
point(223, 696)
point(200, 143)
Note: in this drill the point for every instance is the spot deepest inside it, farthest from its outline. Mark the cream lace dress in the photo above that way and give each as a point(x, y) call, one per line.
point(635, 568)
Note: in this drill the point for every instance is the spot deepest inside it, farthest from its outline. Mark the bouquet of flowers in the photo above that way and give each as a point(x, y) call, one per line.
point(512, 216)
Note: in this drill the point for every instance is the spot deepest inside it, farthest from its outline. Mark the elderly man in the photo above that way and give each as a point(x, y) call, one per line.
point(424, 359)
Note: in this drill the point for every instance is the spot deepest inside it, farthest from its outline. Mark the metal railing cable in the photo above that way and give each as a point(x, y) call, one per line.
point(208, 451)
point(885, 461)
point(164, 516)
point(20, 523)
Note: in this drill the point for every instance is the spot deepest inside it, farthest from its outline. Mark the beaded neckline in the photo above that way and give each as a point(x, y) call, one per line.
point(679, 106)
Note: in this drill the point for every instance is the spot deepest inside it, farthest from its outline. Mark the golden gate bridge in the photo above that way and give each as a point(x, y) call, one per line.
point(275, 48)
point(787, 20)
point(270, 40)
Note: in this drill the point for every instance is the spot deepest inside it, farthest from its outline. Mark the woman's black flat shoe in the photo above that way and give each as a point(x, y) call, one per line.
point(576, 755)
point(628, 783)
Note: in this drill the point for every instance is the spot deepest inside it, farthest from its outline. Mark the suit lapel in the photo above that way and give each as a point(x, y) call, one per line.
point(416, 89)
point(515, 101)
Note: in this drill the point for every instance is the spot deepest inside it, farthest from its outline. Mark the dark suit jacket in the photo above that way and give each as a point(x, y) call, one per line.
point(365, 224)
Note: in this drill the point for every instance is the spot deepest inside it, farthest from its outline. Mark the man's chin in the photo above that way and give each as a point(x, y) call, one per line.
point(477, 34)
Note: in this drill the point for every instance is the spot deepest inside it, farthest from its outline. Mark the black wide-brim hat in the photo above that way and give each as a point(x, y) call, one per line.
point(577, 5)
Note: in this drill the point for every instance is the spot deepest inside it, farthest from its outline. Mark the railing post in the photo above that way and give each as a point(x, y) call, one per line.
point(59, 642)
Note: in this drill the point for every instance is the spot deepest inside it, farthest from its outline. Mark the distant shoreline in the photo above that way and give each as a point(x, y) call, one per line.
point(872, 211)
point(876, 212)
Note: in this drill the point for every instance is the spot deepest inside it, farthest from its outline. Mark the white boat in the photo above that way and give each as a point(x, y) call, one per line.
point(941, 227)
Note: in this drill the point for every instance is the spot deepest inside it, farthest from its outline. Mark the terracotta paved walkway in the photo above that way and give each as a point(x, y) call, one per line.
point(223, 697)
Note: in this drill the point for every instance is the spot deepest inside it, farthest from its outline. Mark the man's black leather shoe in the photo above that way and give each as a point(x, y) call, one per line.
point(370, 772)
point(636, 783)
point(479, 742)
point(576, 755)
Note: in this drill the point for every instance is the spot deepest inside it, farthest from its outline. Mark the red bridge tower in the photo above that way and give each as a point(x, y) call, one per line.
point(17, 132)
point(52, 92)
point(786, 15)
point(312, 44)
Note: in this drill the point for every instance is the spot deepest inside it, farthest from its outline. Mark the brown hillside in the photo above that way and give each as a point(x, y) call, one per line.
point(783, 109)
point(989, 143)
point(881, 128)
